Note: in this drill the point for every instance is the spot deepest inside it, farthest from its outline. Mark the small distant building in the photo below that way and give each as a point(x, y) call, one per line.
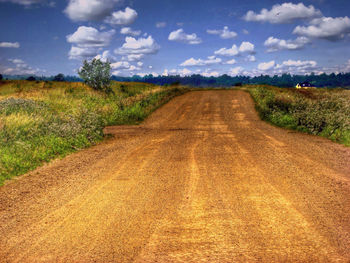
point(304, 85)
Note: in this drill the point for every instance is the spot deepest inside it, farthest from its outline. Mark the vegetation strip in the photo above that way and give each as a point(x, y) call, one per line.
point(324, 112)
point(45, 120)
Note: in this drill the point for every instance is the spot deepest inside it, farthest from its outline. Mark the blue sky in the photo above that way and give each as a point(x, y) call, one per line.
point(47, 37)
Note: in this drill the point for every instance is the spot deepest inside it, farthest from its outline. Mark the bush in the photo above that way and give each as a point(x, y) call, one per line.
point(319, 112)
point(59, 77)
point(97, 75)
point(31, 78)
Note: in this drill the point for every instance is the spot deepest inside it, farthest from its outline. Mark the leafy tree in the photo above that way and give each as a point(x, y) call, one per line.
point(31, 78)
point(1, 77)
point(97, 74)
point(58, 77)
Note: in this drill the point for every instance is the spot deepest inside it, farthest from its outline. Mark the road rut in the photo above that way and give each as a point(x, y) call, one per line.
point(202, 180)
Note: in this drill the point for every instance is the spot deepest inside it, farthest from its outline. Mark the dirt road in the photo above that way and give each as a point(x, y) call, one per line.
point(202, 180)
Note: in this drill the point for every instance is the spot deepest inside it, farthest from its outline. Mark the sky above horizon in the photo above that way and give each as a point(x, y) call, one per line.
point(165, 37)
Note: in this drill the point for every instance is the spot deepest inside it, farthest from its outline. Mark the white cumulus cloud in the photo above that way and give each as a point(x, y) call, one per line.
point(201, 62)
point(264, 66)
point(231, 62)
point(126, 17)
point(90, 37)
point(87, 10)
point(283, 13)
point(326, 28)
point(224, 33)
point(250, 58)
point(82, 52)
point(30, 2)
point(274, 44)
point(134, 49)
point(20, 67)
point(9, 44)
point(235, 71)
point(129, 31)
point(106, 55)
point(296, 67)
point(180, 36)
point(245, 47)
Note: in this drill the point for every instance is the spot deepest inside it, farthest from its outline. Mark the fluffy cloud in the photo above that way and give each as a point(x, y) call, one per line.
point(275, 44)
point(160, 24)
point(106, 55)
point(120, 65)
point(134, 49)
point(284, 13)
point(325, 27)
point(126, 17)
point(245, 47)
point(224, 33)
point(29, 2)
point(133, 57)
point(83, 10)
point(180, 36)
point(185, 72)
point(231, 62)
point(82, 52)
point(250, 58)
point(236, 71)
point(210, 74)
point(90, 37)
point(9, 44)
point(297, 63)
point(16, 61)
point(229, 52)
point(266, 65)
point(87, 42)
point(129, 31)
point(296, 67)
point(200, 62)
point(20, 68)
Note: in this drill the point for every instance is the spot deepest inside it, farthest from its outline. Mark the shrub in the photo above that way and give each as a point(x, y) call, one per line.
point(97, 75)
point(59, 77)
point(31, 78)
point(319, 112)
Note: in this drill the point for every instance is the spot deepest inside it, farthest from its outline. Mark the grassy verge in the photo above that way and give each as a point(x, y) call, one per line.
point(324, 112)
point(46, 120)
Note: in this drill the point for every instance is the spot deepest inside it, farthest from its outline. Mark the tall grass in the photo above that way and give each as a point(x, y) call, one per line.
point(324, 112)
point(45, 120)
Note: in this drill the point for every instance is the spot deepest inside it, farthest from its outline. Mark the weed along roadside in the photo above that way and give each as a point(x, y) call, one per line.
point(323, 112)
point(47, 120)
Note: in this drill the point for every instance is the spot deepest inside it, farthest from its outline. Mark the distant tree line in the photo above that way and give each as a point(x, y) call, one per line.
point(58, 77)
point(285, 80)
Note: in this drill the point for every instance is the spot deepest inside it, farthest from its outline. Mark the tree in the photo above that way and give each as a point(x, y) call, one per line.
point(31, 78)
point(1, 77)
point(97, 74)
point(58, 77)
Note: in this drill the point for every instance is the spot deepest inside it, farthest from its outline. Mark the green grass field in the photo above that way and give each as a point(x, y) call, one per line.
point(41, 121)
point(324, 112)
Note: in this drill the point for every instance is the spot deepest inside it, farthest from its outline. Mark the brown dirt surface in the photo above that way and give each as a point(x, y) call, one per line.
point(202, 180)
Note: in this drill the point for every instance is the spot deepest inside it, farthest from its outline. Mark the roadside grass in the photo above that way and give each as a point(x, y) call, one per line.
point(41, 121)
point(324, 112)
